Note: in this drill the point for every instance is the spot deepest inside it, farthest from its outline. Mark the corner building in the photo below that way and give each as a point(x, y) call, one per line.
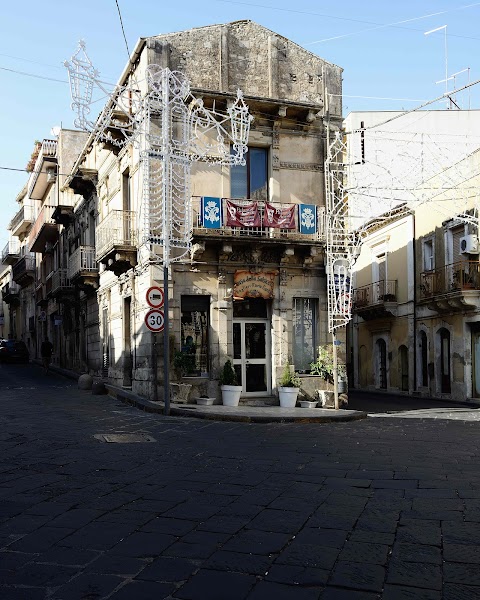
point(253, 291)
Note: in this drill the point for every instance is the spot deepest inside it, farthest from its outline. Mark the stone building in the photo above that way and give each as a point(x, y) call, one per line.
point(252, 291)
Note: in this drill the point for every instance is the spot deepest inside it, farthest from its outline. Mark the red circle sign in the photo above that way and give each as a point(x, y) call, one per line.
point(155, 297)
point(155, 320)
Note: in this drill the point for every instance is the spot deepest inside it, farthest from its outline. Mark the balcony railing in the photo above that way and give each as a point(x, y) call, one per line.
point(116, 230)
point(10, 291)
point(47, 153)
point(25, 265)
point(22, 220)
point(375, 293)
point(82, 261)
point(57, 281)
point(11, 251)
point(44, 219)
point(256, 232)
point(464, 275)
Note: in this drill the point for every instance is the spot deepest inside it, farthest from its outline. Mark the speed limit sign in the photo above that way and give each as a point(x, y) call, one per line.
point(155, 320)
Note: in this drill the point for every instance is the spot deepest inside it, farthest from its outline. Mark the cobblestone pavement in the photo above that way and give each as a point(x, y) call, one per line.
point(203, 510)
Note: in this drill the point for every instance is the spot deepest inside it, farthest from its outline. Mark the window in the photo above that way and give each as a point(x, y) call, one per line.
point(428, 263)
point(251, 179)
point(194, 332)
point(304, 332)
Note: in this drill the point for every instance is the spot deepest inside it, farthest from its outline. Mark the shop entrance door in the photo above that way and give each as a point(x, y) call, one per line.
point(251, 358)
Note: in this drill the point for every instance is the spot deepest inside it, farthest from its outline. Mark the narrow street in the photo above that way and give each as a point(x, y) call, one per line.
point(383, 508)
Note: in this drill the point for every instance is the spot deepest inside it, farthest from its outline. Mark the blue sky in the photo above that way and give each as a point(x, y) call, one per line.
point(389, 64)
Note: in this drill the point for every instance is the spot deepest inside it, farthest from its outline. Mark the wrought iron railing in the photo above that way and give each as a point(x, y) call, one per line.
point(44, 218)
point(57, 281)
point(25, 214)
point(117, 229)
point(82, 261)
point(10, 289)
point(375, 293)
point(261, 231)
point(12, 248)
point(464, 275)
point(23, 265)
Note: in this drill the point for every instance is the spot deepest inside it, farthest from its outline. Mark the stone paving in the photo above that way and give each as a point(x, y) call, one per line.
point(203, 510)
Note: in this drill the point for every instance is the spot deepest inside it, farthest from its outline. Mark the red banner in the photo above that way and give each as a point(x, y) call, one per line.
point(283, 218)
point(243, 215)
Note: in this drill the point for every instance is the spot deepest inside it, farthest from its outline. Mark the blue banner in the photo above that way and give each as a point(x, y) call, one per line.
point(211, 212)
point(307, 218)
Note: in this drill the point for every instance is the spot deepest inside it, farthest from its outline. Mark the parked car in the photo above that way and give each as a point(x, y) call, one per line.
point(13, 351)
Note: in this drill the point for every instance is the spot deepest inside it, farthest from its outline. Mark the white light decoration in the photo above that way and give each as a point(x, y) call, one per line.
point(172, 129)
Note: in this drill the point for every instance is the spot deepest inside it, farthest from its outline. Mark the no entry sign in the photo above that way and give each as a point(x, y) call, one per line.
point(155, 320)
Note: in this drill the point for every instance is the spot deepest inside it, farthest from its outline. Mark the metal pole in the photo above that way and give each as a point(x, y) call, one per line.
point(166, 345)
point(335, 370)
point(154, 366)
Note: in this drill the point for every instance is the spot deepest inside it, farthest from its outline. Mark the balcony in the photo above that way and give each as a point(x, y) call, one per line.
point(63, 211)
point(83, 268)
point(44, 171)
point(452, 287)
point(376, 300)
point(268, 234)
point(11, 252)
point(11, 294)
point(44, 230)
point(116, 241)
point(22, 221)
point(57, 284)
point(23, 271)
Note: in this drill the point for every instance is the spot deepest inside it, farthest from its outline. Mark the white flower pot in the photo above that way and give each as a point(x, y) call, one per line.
point(231, 394)
point(205, 401)
point(308, 403)
point(288, 396)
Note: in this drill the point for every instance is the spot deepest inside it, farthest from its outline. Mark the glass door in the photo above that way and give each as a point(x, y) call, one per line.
point(251, 356)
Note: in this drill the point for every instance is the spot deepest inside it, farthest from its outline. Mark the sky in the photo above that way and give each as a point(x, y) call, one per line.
point(389, 63)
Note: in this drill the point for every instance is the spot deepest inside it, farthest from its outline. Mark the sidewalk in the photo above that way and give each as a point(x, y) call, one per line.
point(218, 412)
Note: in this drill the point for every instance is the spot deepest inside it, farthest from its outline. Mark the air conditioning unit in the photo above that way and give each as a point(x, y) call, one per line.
point(469, 244)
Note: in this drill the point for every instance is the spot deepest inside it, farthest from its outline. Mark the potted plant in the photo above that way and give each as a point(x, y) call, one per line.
point(229, 385)
point(308, 403)
point(323, 367)
point(205, 400)
point(289, 386)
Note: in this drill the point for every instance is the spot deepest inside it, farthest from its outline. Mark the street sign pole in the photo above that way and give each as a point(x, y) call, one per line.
point(166, 344)
point(154, 366)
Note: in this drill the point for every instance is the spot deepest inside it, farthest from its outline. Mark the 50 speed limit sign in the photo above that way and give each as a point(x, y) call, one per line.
point(155, 320)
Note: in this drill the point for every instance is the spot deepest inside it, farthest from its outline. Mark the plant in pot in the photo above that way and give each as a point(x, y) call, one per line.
point(229, 385)
point(323, 367)
point(288, 388)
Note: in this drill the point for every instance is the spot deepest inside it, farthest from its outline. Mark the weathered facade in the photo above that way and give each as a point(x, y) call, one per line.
point(254, 294)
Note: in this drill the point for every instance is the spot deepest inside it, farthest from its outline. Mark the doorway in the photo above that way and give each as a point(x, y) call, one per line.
point(445, 376)
point(381, 364)
point(251, 347)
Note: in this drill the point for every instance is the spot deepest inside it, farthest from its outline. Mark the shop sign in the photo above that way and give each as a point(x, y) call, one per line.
point(253, 285)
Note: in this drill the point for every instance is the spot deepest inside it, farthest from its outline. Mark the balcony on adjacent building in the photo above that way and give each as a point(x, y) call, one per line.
point(45, 170)
point(202, 226)
point(83, 268)
point(22, 221)
point(115, 241)
point(23, 271)
point(11, 252)
point(58, 285)
point(44, 230)
point(452, 287)
point(11, 294)
point(376, 300)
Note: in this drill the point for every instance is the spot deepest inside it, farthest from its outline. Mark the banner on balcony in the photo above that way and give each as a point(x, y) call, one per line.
point(211, 212)
point(253, 285)
point(283, 218)
point(243, 215)
point(307, 218)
